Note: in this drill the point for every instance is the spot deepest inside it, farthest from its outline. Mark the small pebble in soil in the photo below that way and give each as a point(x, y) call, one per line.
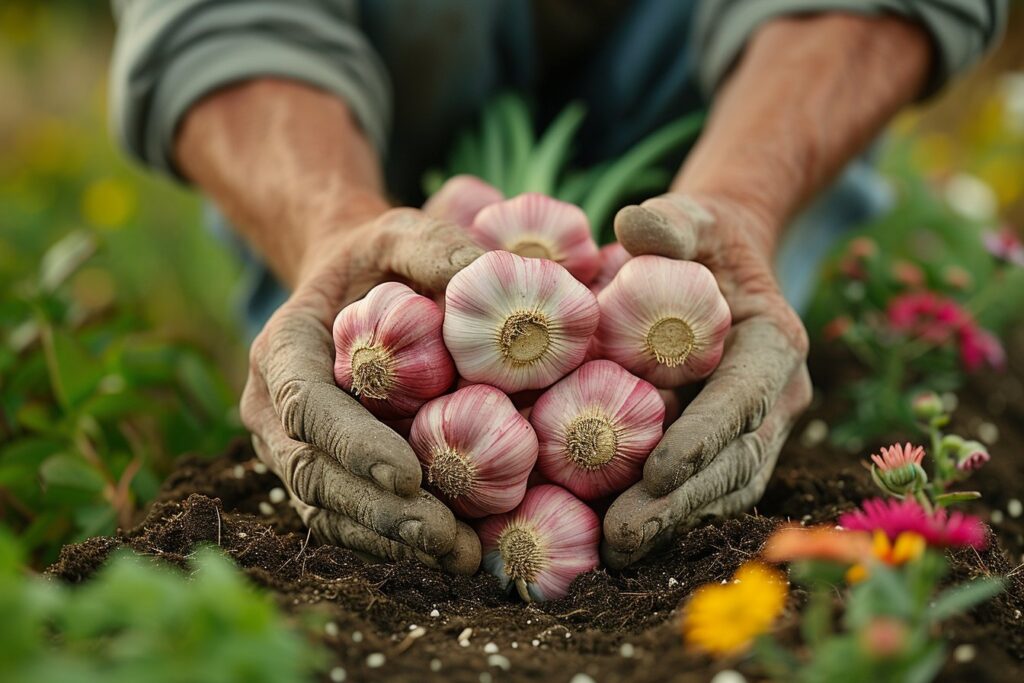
point(535, 642)
point(672, 582)
point(568, 635)
point(515, 645)
point(337, 674)
point(814, 434)
point(242, 534)
point(728, 676)
point(259, 468)
point(238, 471)
point(331, 629)
point(266, 508)
point(463, 637)
point(1014, 507)
point(582, 678)
point(490, 648)
point(435, 664)
point(277, 495)
point(997, 516)
point(357, 636)
point(964, 653)
point(375, 660)
point(434, 614)
point(988, 433)
point(499, 661)
point(627, 650)
point(412, 627)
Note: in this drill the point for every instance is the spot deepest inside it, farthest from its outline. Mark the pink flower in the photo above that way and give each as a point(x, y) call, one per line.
point(893, 517)
point(980, 347)
point(897, 456)
point(940, 320)
point(1005, 245)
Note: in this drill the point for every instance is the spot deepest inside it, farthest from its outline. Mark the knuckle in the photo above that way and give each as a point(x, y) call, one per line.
point(291, 400)
point(303, 472)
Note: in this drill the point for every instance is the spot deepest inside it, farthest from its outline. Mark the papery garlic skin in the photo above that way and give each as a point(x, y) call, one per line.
point(612, 257)
point(460, 199)
point(389, 351)
point(517, 323)
point(537, 226)
point(549, 540)
point(476, 450)
point(596, 428)
point(664, 320)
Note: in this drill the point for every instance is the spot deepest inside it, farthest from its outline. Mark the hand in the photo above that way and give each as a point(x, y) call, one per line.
point(717, 457)
point(355, 482)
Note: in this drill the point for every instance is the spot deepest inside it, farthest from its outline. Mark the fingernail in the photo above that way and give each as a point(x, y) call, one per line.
point(384, 475)
point(411, 531)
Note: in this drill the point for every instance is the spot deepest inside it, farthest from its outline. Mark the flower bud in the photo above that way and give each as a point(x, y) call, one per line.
point(971, 455)
point(389, 352)
point(612, 257)
point(536, 226)
point(517, 323)
point(664, 320)
point(476, 450)
point(897, 470)
point(596, 428)
point(549, 540)
point(460, 199)
point(927, 406)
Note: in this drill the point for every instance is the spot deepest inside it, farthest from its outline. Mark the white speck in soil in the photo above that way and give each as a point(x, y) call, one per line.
point(259, 468)
point(331, 629)
point(242, 534)
point(568, 635)
point(535, 642)
point(266, 508)
point(582, 678)
point(357, 636)
point(627, 650)
point(964, 653)
point(815, 433)
point(499, 661)
point(1016, 614)
point(988, 433)
point(490, 648)
point(238, 471)
point(515, 645)
point(728, 676)
point(277, 495)
point(412, 627)
point(435, 665)
point(997, 516)
point(1014, 507)
point(337, 674)
point(375, 660)
point(672, 582)
point(463, 637)
point(434, 613)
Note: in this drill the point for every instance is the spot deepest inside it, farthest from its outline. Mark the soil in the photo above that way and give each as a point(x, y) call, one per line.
point(612, 626)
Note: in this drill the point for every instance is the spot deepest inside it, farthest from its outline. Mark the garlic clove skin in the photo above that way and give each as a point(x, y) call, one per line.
point(389, 351)
point(664, 320)
point(612, 257)
point(537, 226)
point(460, 199)
point(596, 428)
point(517, 323)
point(476, 450)
point(549, 540)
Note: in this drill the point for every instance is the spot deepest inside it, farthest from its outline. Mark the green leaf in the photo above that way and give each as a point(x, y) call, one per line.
point(962, 598)
point(64, 258)
point(517, 127)
point(493, 153)
point(927, 665)
point(74, 374)
point(72, 472)
point(947, 499)
point(551, 153)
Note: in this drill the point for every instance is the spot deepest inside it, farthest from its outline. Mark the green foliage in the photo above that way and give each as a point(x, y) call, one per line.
point(140, 620)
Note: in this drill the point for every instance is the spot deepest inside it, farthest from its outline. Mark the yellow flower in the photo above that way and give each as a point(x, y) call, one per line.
point(108, 203)
point(908, 546)
point(725, 619)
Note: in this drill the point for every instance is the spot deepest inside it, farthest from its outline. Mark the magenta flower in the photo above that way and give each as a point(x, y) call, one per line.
point(893, 517)
point(1005, 245)
point(897, 456)
point(940, 320)
point(979, 347)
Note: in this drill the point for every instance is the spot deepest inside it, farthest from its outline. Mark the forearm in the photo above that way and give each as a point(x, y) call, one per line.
point(286, 163)
point(807, 95)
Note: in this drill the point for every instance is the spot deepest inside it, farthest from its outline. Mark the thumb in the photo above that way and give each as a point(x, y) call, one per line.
point(425, 251)
point(672, 225)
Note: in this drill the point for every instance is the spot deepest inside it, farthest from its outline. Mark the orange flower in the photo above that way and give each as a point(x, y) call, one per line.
point(818, 543)
point(907, 547)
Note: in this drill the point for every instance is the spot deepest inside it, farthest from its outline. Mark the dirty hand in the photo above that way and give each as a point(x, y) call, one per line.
point(717, 457)
point(355, 482)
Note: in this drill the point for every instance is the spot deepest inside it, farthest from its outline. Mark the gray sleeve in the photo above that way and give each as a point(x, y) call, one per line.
point(170, 54)
point(961, 30)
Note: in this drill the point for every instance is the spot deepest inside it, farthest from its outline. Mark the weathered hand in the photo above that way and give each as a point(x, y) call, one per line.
point(717, 458)
point(355, 481)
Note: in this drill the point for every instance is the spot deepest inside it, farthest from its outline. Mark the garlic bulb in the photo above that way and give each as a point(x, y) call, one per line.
point(476, 450)
point(389, 351)
point(549, 540)
point(537, 226)
point(664, 320)
point(517, 323)
point(596, 428)
point(460, 199)
point(612, 257)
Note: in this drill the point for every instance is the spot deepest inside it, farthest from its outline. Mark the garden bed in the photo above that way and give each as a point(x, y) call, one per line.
point(612, 626)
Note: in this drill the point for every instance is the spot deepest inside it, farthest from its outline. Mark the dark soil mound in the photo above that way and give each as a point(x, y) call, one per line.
point(612, 627)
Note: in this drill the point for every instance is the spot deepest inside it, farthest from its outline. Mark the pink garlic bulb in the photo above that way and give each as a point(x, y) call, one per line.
point(612, 257)
point(389, 352)
point(517, 323)
point(596, 428)
point(664, 320)
point(476, 450)
point(537, 226)
point(549, 540)
point(460, 199)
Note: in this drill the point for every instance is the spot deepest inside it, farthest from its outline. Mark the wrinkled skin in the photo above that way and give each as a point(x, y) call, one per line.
point(354, 481)
point(716, 459)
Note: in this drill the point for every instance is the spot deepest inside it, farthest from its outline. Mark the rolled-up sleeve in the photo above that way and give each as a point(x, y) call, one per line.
point(170, 54)
point(961, 30)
